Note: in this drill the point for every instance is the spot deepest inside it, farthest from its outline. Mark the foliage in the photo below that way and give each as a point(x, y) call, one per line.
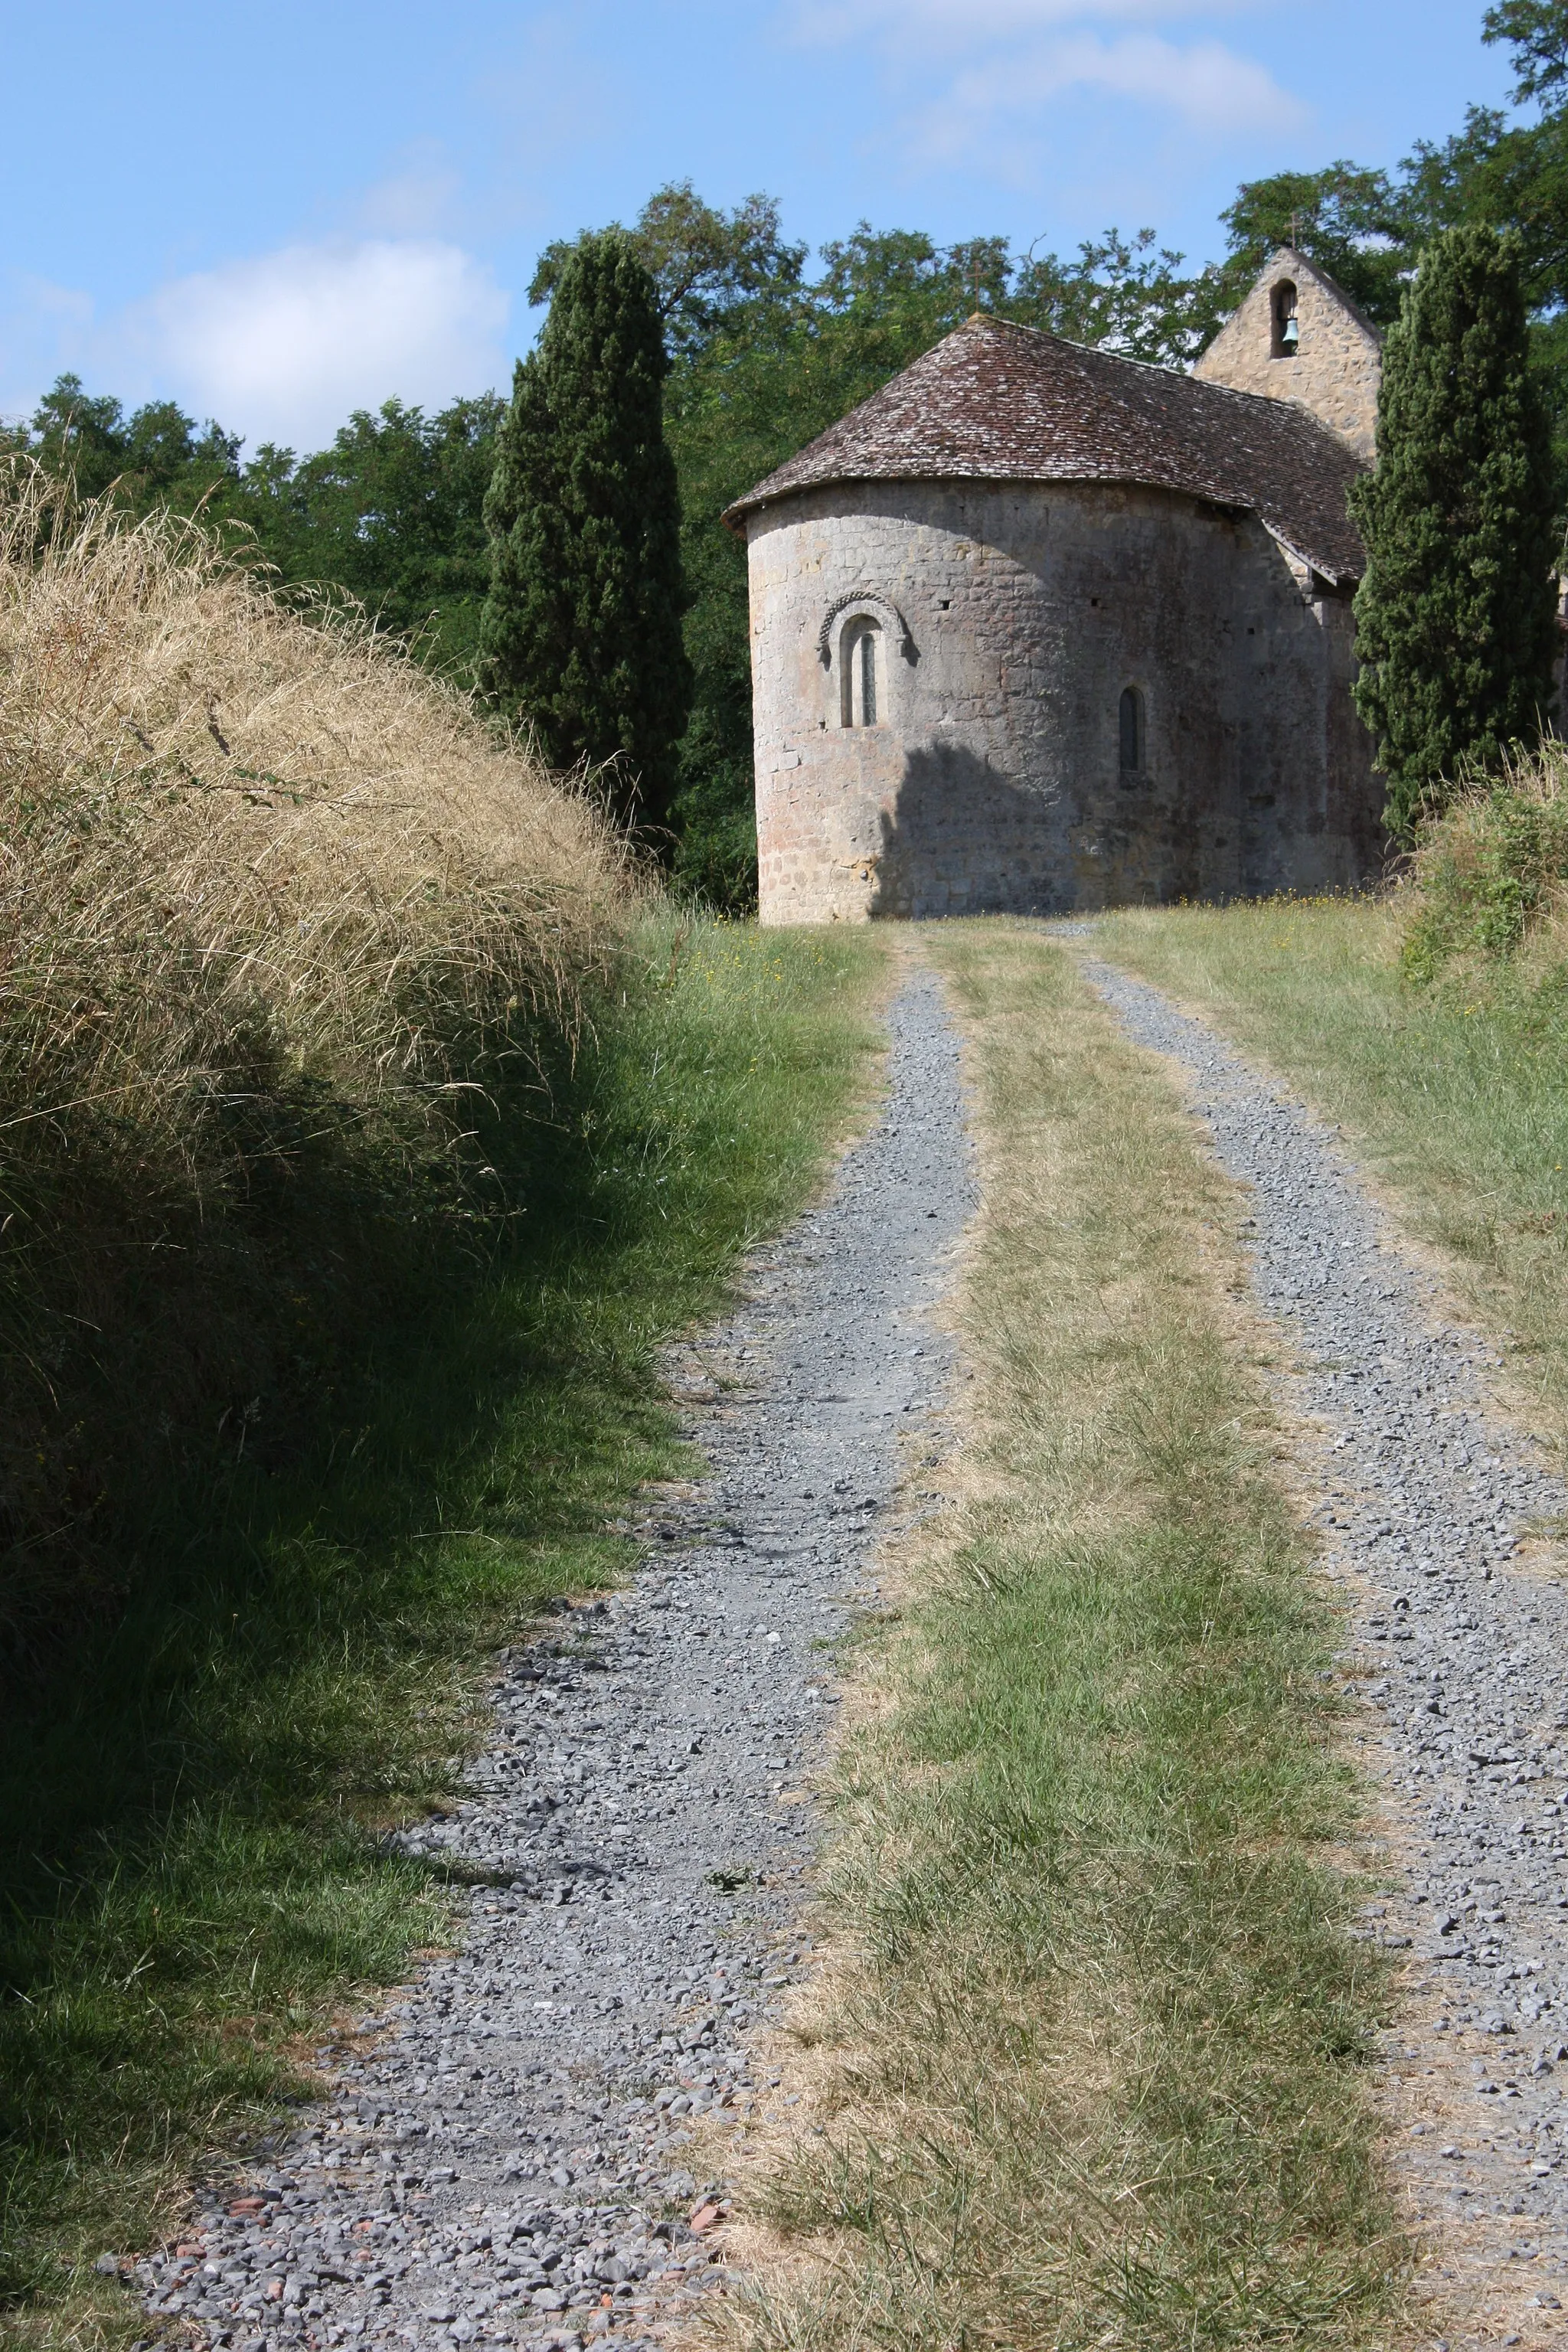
point(393, 513)
point(722, 281)
point(1491, 869)
point(1537, 33)
point(1507, 176)
point(705, 265)
point(581, 633)
point(1125, 293)
point(1456, 617)
point(1512, 175)
point(1345, 218)
point(157, 456)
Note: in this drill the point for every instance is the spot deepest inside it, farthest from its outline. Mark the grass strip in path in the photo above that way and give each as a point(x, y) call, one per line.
point(1090, 2063)
point(1456, 1093)
point(188, 1818)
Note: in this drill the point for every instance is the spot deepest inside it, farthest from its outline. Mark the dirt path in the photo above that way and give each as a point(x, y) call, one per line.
point(1459, 1657)
point(503, 2158)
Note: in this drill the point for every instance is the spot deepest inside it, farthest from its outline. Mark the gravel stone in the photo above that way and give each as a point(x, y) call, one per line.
point(1458, 1651)
point(501, 2158)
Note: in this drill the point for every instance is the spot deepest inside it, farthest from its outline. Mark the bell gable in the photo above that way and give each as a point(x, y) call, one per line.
point(1299, 337)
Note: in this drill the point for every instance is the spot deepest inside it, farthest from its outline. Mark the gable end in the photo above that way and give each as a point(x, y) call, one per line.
point(1299, 337)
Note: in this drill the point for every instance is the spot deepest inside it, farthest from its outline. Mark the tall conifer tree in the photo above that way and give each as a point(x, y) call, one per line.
point(1455, 618)
point(580, 634)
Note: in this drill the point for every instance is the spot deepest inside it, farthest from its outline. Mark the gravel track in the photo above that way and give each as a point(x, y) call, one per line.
point(1458, 1649)
point(504, 2155)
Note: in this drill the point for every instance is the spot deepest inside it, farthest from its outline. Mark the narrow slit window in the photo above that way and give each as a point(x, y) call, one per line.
point(862, 684)
point(1131, 731)
point(1287, 339)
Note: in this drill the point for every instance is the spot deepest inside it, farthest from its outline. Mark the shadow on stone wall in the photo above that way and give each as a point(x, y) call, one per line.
point(963, 839)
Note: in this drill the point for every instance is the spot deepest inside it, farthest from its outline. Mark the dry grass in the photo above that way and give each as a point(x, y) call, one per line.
point(1087, 2066)
point(367, 1122)
point(230, 827)
point(269, 893)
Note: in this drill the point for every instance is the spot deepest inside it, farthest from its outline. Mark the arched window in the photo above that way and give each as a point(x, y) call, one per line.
point(1131, 722)
point(861, 685)
point(1287, 333)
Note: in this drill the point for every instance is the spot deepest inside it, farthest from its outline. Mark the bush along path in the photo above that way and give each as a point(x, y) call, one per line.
point(504, 2154)
point(1458, 1651)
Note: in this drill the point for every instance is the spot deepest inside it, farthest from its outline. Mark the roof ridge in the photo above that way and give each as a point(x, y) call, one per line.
point(1203, 385)
point(1076, 412)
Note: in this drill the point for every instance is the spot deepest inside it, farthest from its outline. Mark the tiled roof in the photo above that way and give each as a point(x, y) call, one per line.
point(993, 401)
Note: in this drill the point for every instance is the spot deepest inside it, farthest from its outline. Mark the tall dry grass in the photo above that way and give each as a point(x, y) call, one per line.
point(226, 820)
point(268, 891)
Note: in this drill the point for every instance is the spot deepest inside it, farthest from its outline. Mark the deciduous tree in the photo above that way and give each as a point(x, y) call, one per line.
point(392, 511)
point(155, 457)
point(1345, 218)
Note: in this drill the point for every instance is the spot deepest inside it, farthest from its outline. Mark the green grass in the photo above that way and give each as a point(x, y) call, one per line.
point(187, 1809)
point(1091, 2065)
point(1456, 1092)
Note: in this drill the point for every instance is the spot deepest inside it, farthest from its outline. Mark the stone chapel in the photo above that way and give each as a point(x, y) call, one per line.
point(1037, 627)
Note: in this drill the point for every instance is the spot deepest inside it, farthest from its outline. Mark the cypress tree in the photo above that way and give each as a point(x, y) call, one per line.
point(1455, 618)
point(581, 633)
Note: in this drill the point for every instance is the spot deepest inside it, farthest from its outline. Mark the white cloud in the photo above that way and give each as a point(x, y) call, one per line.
point(1208, 86)
point(282, 347)
point(67, 307)
point(1002, 65)
point(960, 24)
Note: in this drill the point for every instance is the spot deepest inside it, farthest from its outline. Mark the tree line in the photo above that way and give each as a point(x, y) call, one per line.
point(742, 352)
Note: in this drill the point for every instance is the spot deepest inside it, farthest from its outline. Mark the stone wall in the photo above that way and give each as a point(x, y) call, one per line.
point(1008, 621)
point(1335, 369)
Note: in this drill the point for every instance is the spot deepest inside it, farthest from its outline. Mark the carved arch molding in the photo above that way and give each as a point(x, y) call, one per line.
point(877, 608)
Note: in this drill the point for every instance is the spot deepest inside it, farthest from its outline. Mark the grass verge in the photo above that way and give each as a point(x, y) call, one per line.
point(1454, 1091)
point(1090, 2066)
point(187, 1814)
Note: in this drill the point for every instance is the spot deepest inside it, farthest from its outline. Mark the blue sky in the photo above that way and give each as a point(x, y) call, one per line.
point(275, 214)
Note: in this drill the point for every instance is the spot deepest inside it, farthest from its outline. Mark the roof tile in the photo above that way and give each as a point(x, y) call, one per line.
point(994, 402)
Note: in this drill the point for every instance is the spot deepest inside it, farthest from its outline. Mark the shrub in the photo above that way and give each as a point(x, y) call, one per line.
point(1492, 868)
